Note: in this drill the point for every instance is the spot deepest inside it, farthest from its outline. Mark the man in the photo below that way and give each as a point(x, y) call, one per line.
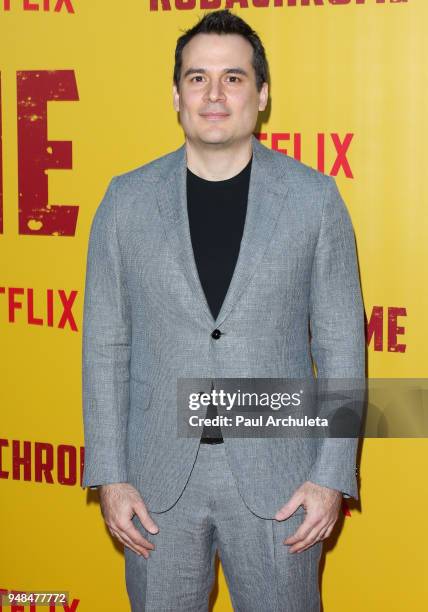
point(210, 262)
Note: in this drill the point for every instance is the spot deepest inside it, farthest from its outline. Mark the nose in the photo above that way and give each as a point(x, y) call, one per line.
point(214, 91)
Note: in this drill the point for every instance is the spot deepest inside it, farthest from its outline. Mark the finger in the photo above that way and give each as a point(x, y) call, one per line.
point(323, 534)
point(306, 542)
point(120, 539)
point(140, 549)
point(304, 529)
point(329, 530)
point(145, 519)
point(139, 544)
point(290, 507)
point(135, 536)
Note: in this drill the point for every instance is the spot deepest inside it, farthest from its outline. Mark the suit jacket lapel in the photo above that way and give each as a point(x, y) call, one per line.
point(265, 201)
point(264, 205)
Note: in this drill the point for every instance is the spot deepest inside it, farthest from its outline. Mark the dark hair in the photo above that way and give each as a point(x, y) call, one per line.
point(225, 22)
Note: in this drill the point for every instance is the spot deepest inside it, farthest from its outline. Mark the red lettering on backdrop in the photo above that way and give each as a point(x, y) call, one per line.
point(32, 319)
point(67, 464)
point(30, 6)
point(62, 464)
point(154, 5)
point(67, 315)
point(341, 149)
point(394, 329)
point(374, 328)
point(341, 161)
point(165, 5)
point(1, 167)
point(67, 302)
point(321, 152)
point(3, 473)
point(230, 3)
point(71, 607)
point(43, 462)
point(67, 5)
point(297, 143)
point(19, 460)
point(185, 5)
point(13, 304)
point(36, 154)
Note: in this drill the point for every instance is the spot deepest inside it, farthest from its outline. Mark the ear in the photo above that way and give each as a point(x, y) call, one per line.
point(175, 98)
point(263, 97)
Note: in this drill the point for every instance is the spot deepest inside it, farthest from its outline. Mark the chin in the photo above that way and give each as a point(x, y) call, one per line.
point(214, 137)
point(214, 140)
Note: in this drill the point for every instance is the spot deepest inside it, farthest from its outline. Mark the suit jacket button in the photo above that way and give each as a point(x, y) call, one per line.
point(216, 334)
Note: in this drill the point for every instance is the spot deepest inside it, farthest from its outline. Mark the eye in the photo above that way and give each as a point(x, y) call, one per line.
point(232, 76)
point(198, 76)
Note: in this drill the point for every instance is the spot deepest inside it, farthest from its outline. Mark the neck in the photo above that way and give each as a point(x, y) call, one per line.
point(218, 162)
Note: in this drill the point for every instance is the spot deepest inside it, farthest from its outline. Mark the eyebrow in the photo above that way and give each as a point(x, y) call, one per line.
point(225, 71)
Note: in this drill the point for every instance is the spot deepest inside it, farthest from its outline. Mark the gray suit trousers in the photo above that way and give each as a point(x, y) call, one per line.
point(210, 516)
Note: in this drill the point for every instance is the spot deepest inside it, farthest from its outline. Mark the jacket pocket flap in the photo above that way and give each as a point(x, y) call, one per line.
point(141, 393)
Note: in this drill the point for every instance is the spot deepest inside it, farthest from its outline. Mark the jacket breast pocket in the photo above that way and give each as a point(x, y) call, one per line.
point(141, 392)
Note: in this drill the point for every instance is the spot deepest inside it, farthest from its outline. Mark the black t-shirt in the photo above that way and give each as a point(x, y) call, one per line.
point(216, 211)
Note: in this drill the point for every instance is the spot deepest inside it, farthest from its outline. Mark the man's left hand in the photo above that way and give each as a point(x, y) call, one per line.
point(322, 506)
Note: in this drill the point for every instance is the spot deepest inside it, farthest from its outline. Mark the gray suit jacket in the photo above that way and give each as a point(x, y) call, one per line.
point(147, 323)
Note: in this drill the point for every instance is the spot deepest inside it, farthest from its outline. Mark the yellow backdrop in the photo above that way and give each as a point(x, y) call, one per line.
point(349, 96)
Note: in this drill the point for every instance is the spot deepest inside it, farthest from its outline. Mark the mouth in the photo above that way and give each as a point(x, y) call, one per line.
point(214, 116)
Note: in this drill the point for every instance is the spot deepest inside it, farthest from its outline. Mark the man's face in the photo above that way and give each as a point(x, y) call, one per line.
point(218, 99)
